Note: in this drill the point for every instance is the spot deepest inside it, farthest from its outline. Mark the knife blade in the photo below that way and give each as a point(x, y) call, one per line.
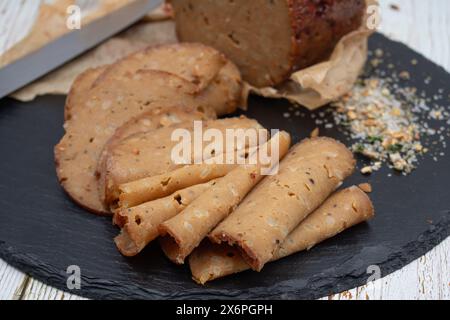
point(63, 49)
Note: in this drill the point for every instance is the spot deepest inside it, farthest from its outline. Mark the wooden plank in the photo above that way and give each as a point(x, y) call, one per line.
point(12, 282)
point(15, 285)
point(423, 25)
point(425, 278)
point(36, 290)
point(17, 18)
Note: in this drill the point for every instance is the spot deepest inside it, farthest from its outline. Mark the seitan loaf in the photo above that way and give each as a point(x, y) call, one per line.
point(268, 40)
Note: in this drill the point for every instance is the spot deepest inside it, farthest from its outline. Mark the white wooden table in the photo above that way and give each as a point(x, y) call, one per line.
point(423, 25)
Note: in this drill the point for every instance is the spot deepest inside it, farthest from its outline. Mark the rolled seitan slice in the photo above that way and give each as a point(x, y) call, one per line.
point(106, 107)
point(311, 171)
point(344, 209)
point(295, 33)
point(184, 232)
point(140, 224)
point(201, 65)
point(147, 189)
point(150, 153)
point(148, 121)
point(134, 193)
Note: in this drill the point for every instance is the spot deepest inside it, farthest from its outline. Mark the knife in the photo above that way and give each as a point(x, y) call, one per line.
point(63, 49)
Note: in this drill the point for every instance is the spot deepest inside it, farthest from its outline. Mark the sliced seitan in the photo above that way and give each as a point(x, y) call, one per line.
point(151, 120)
point(339, 212)
point(80, 87)
point(193, 62)
point(311, 171)
point(106, 107)
point(149, 153)
point(140, 224)
point(184, 232)
point(225, 91)
point(103, 99)
point(201, 65)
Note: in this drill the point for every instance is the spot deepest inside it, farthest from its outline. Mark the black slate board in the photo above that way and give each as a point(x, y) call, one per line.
point(42, 232)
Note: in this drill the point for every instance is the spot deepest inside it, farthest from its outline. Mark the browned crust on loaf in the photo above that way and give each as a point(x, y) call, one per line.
point(309, 17)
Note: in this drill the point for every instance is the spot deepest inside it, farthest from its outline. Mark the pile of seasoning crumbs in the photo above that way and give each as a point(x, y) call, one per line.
point(390, 123)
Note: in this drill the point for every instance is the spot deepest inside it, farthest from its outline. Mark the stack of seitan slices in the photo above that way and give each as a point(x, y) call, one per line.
point(147, 122)
point(149, 153)
point(253, 219)
point(181, 81)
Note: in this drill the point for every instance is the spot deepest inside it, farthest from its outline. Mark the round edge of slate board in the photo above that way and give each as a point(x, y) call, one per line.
point(390, 241)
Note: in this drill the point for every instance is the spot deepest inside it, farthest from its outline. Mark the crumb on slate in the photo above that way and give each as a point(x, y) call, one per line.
point(366, 187)
point(315, 133)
